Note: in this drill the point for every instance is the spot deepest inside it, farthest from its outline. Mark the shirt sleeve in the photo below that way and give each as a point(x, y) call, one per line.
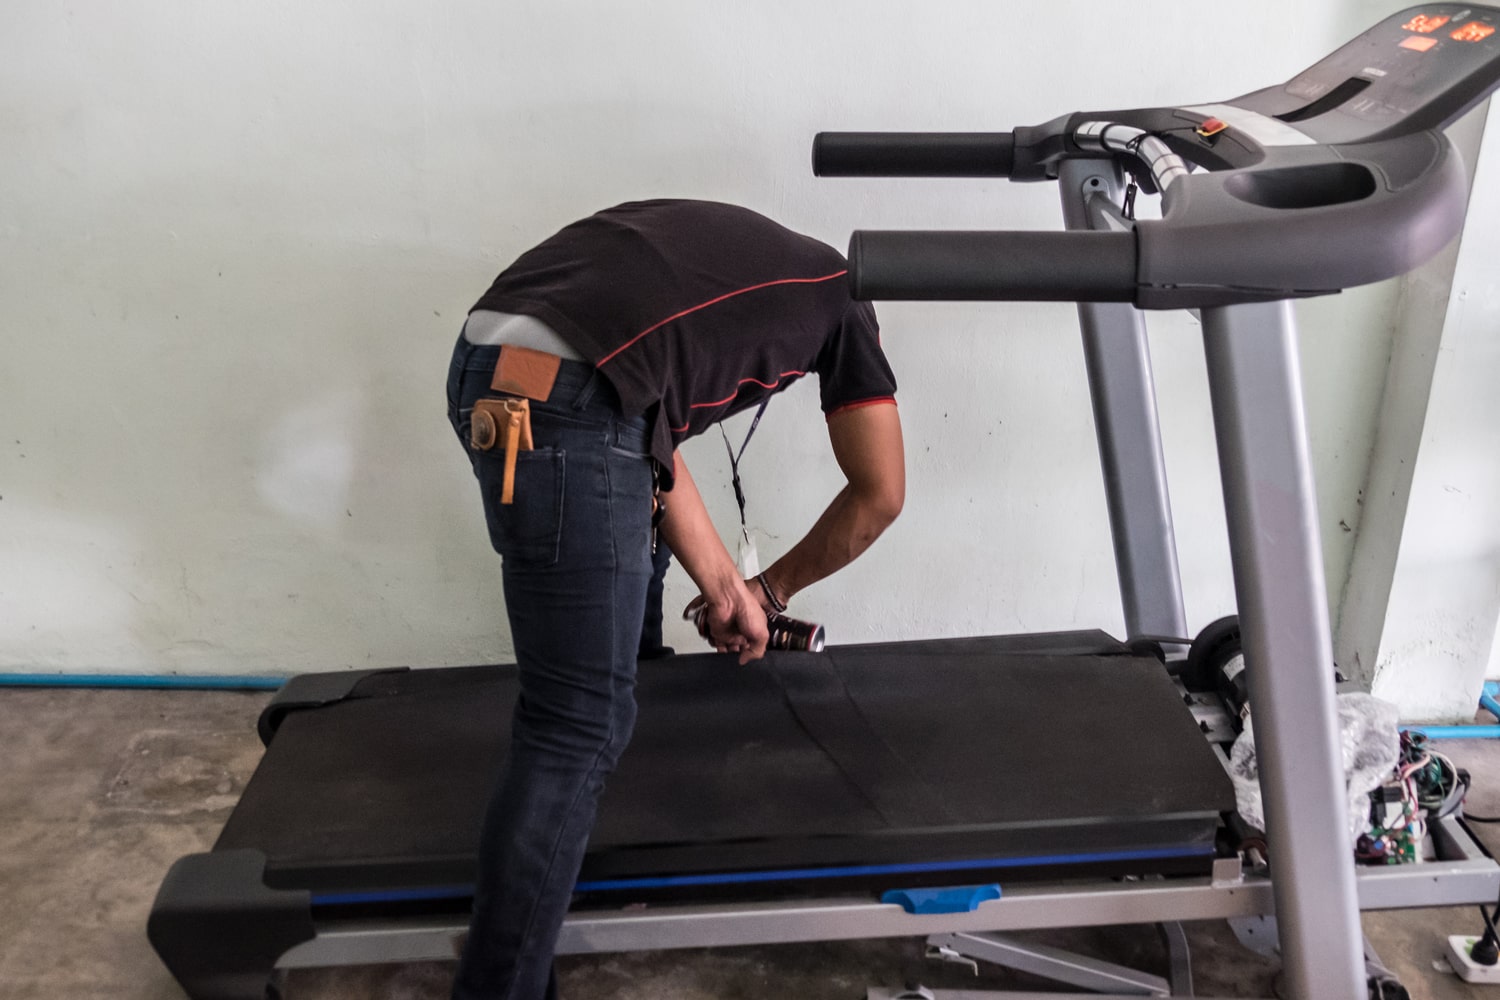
point(852, 369)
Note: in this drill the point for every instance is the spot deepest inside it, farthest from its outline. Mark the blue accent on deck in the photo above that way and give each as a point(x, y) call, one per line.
point(786, 875)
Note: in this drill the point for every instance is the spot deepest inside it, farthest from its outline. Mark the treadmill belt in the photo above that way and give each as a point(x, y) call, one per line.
point(828, 713)
point(889, 764)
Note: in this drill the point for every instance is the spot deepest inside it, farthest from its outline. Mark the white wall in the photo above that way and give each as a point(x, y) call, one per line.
point(1420, 315)
point(1439, 640)
point(236, 242)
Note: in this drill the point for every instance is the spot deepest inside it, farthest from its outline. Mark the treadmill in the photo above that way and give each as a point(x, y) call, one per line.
point(820, 796)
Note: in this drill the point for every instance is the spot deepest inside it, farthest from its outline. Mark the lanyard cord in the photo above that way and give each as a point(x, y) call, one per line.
point(734, 463)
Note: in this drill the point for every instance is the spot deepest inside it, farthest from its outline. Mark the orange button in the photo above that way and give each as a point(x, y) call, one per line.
point(1211, 127)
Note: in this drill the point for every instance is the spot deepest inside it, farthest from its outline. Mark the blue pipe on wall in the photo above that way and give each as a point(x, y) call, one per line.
point(187, 682)
point(1487, 702)
point(1457, 732)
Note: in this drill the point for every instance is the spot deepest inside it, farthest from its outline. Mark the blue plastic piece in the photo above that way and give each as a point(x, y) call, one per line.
point(954, 899)
point(1487, 699)
point(187, 682)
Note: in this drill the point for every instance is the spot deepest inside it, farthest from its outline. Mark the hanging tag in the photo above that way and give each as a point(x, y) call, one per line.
point(749, 560)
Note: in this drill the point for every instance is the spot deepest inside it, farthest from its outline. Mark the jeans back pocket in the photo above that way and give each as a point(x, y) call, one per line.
point(527, 531)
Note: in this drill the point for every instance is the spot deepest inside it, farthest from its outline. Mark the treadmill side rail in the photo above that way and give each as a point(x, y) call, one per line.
point(1468, 877)
point(220, 930)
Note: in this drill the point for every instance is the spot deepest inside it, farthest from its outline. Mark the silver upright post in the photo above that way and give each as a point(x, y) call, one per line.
point(1124, 396)
point(1255, 382)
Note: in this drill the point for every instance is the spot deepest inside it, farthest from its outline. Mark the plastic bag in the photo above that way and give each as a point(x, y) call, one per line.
point(1369, 739)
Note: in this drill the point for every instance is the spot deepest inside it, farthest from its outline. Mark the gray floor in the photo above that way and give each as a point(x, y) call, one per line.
point(102, 790)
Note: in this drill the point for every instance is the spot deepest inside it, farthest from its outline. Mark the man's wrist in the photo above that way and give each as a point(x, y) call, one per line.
point(728, 589)
point(778, 603)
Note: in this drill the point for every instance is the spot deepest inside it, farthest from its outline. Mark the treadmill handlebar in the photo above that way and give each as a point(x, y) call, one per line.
point(913, 154)
point(1072, 266)
point(1304, 219)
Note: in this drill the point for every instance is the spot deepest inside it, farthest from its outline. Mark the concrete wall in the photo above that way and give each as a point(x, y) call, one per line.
point(236, 243)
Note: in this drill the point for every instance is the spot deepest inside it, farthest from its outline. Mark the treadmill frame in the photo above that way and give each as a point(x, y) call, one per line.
point(1316, 893)
point(1255, 387)
point(1254, 378)
point(1470, 877)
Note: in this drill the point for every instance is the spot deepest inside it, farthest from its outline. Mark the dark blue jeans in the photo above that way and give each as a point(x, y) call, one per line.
point(576, 553)
point(652, 645)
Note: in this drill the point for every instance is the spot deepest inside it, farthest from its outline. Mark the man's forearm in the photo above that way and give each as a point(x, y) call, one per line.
point(867, 445)
point(694, 540)
point(848, 527)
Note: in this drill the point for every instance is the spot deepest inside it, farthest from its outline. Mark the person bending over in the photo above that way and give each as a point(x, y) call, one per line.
point(578, 374)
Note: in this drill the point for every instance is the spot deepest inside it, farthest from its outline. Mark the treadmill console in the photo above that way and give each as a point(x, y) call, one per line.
point(1338, 177)
point(1419, 69)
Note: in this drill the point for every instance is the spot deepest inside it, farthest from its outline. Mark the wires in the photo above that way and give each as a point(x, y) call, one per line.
point(1432, 785)
point(1436, 783)
point(1426, 785)
point(1486, 950)
point(1414, 760)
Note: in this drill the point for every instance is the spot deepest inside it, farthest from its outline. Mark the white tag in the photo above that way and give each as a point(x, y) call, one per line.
point(749, 561)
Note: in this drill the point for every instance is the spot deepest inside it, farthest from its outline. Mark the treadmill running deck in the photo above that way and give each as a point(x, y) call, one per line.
point(938, 762)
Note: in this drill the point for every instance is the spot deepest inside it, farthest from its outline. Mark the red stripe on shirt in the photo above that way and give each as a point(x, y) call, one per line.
point(730, 397)
point(716, 301)
point(876, 401)
point(763, 385)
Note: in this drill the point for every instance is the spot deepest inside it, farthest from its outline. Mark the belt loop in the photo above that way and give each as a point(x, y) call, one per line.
point(586, 394)
point(461, 352)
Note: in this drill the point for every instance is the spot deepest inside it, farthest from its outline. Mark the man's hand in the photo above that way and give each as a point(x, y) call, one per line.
point(757, 593)
point(736, 623)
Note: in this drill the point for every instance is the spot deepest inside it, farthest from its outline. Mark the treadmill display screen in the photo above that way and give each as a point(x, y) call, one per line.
point(1474, 31)
point(1426, 23)
point(1436, 53)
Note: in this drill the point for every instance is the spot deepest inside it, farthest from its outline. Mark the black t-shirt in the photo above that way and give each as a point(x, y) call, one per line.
point(696, 310)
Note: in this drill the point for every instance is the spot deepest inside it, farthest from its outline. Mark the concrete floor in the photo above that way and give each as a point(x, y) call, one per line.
point(102, 790)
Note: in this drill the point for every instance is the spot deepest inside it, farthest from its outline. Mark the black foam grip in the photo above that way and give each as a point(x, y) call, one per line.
point(1032, 267)
point(913, 154)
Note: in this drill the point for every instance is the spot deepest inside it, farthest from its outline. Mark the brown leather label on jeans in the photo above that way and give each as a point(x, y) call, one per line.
point(522, 371)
